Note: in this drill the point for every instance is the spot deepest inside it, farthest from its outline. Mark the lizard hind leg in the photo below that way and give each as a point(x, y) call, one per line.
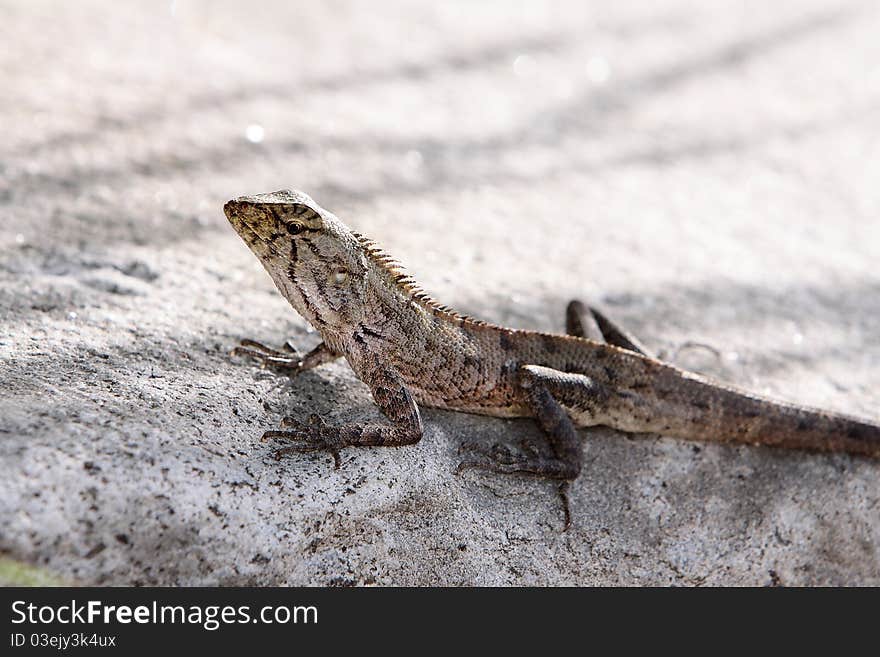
point(589, 322)
point(565, 461)
point(579, 322)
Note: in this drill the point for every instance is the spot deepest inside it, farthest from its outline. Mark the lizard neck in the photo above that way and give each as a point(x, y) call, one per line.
point(399, 287)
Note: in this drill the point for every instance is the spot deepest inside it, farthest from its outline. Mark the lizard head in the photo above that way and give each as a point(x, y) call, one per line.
point(315, 260)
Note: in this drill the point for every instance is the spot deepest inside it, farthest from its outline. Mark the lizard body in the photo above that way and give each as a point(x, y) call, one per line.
point(411, 350)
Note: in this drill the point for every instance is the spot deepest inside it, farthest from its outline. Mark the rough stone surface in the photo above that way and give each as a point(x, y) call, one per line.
point(708, 171)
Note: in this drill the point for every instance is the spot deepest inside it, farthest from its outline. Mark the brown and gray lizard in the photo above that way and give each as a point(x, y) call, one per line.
point(411, 350)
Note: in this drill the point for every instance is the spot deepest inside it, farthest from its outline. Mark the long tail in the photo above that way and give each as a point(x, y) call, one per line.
point(673, 402)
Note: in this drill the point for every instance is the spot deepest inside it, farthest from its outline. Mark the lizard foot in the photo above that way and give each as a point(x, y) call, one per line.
point(504, 460)
point(287, 357)
point(501, 459)
point(314, 436)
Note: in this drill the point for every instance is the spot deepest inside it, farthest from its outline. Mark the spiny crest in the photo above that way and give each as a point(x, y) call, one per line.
point(396, 275)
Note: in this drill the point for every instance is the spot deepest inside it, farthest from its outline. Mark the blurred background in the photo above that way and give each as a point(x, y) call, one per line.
point(706, 170)
point(145, 116)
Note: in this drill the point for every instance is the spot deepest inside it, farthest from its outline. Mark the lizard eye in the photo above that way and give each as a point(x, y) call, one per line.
point(294, 228)
point(339, 275)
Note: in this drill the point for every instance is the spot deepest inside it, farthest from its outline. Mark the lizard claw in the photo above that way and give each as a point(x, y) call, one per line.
point(566, 510)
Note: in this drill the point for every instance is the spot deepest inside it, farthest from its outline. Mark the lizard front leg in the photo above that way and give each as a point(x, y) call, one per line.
point(393, 399)
point(287, 358)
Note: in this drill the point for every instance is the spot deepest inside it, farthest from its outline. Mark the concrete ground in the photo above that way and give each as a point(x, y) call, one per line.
point(707, 171)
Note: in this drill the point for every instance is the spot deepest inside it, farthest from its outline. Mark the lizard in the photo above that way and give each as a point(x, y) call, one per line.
point(410, 350)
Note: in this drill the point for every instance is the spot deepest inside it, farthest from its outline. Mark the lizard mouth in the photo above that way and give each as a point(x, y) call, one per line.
point(233, 210)
point(247, 224)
